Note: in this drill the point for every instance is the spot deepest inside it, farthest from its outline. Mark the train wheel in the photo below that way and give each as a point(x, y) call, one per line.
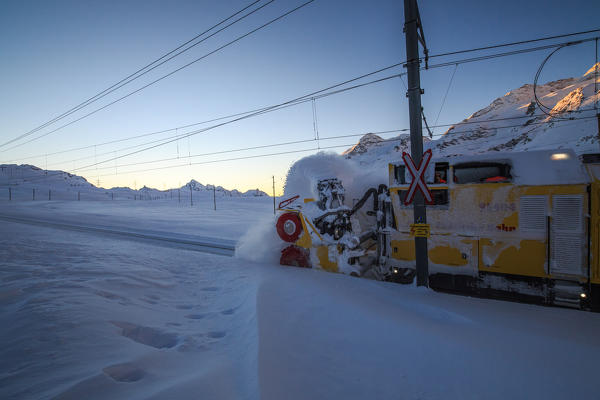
point(289, 227)
point(295, 256)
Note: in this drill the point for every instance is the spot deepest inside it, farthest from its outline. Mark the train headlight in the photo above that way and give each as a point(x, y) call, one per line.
point(559, 156)
point(583, 295)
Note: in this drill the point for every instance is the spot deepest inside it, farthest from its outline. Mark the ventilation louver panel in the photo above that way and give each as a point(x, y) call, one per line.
point(567, 213)
point(533, 213)
point(567, 240)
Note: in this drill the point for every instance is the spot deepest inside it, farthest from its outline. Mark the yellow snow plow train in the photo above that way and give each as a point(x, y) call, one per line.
point(517, 225)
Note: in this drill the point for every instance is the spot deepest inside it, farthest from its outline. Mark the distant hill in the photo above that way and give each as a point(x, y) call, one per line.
point(220, 190)
point(24, 179)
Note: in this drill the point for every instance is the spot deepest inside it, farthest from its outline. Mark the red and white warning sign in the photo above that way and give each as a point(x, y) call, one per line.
point(418, 177)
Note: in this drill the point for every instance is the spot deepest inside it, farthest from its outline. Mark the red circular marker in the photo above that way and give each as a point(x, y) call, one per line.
point(289, 227)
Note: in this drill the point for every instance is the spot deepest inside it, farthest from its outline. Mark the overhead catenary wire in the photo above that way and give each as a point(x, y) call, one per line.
point(530, 117)
point(258, 156)
point(317, 94)
point(146, 69)
point(339, 137)
point(445, 95)
point(299, 100)
point(510, 53)
point(386, 68)
point(160, 142)
point(496, 46)
point(315, 122)
point(455, 63)
point(266, 110)
point(474, 59)
point(188, 163)
point(541, 106)
point(281, 16)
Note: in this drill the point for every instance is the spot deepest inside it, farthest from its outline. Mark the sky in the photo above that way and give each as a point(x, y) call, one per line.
point(58, 54)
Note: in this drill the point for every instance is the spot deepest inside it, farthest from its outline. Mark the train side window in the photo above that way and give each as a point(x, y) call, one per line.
point(440, 197)
point(400, 174)
point(482, 172)
point(440, 175)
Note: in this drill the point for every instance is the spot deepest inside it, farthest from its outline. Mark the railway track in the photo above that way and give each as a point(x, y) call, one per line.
point(205, 245)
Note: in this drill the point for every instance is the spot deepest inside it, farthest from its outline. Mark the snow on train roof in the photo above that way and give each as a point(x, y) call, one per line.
point(543, 167)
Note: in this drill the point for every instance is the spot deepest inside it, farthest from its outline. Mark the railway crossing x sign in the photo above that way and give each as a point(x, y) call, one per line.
point(418, 177)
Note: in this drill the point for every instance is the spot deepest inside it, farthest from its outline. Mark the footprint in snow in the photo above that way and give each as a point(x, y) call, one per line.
point(125, 372)
point(195, 316)
point(210, 289)
point(216, 334)
point(228, 311)
point(147, 335)
point(184, 306)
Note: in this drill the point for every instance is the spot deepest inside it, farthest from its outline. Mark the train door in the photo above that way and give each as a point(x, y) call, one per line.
point(567, 236)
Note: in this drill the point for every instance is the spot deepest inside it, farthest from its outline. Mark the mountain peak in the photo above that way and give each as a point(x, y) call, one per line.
point(592, 70)
point(365, 143)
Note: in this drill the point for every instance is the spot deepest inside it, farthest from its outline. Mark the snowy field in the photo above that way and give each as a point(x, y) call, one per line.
point(86, 315)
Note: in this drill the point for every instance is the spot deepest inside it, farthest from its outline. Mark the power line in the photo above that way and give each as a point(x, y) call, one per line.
point(188, 163)
point(260, 111)
point(144, 70)
point(510, 53)
point(266, 110)
point(435, 66)
point(495, 46)
point(306, 97)
point(541, 106)
point(315, 139)
point(258, 155)
point(445, 95)
point(330, 138)
point(183, 135)
point(455, 63)
point(170, 73)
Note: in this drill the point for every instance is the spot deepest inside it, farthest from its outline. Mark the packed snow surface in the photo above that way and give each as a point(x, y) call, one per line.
point(92, 316)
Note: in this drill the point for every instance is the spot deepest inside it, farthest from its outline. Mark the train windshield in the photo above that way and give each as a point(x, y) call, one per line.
point(482, 173)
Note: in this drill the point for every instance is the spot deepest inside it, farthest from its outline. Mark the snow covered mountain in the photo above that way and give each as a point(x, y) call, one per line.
point(220, 190)
point(513, 122)
point(25, 179)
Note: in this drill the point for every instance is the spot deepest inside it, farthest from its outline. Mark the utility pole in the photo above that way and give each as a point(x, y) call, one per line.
point(49, 195)
point(215, 196)
point(191, 199)
point(33, 194)
point(412, 28)
point(9, 194)
point(273, 194)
